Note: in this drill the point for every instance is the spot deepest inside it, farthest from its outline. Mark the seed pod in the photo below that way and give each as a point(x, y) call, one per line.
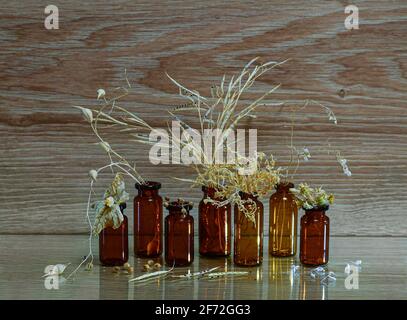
point(101, 93)
point(116, 269)
point(157, 265)
point(146, 267)
point(126, 265)
point(93, 174)
point(150, 263)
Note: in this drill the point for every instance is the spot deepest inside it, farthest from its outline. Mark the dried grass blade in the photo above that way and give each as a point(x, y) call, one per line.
point(151, 276)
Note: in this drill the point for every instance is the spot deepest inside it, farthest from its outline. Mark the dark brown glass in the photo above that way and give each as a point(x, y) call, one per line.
point(179, 235)
point(314, 238)
point(113, 244)
point(283, 222)
point(214, 226)
point(148, 217)
point(248, 250)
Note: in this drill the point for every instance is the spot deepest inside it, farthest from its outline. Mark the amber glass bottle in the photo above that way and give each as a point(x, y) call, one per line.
point(314, 238)
point(148, 216)
point(248, 250)
point(214, 226)
point(179, 234)
point(113, 243)
point(283, 222)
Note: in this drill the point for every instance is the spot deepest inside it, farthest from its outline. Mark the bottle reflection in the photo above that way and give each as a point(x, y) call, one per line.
point(311, 289)
point(150, 289)
point(283, 278)
point(113, 286)
point(254, 282)
point(218, 288)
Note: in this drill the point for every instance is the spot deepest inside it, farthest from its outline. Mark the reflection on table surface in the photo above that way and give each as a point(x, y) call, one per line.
point(382, 275)
point(275, 279)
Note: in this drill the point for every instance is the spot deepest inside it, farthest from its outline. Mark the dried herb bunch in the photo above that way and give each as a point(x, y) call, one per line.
point(258, 178)
point(107, 210)
point(108, 213)
point(312, 198)
point(220, 111)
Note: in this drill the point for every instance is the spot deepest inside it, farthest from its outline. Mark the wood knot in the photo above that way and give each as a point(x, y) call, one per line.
point(342, 93)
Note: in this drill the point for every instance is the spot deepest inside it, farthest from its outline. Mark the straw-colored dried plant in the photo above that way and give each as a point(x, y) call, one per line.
point(312, 198)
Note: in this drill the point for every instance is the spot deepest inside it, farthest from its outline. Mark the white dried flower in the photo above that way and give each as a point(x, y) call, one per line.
point(93, 174)
point(101, 93)
point(344, 165)
point(331, 115)
point(306, 154)
point(86, 113)
point(109, 202)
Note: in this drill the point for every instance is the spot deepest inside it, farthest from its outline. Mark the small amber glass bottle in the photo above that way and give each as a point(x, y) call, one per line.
point(179, 234)
point(113, 243)
point(248, 250)
point(214, 226)
point(283, 222)
point(148, 216)
point(314, 238)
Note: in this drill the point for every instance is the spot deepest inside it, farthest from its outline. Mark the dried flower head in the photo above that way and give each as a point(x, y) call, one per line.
point(108, 211)
point(310, 198)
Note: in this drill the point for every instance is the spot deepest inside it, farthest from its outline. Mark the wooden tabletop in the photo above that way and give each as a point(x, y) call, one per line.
point(383, 273)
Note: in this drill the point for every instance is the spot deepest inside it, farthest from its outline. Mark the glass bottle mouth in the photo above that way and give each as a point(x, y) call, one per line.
point(284, 186)
point(317, 208)
point(122, 206)
point(148, 185)
point(245, 195)
point(179, 205)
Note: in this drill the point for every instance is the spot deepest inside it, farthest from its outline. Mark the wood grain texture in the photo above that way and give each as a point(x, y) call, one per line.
point(382, 276)
point(46, 149)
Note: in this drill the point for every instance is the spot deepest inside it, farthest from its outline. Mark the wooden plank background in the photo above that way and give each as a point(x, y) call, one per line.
point(46, 149)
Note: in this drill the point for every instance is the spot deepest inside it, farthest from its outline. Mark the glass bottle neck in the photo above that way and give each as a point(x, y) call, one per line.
point(177, 212)
point(315, 212)
point(147, 193)
point(210, 193)
point(284, 187)
point(247, 196)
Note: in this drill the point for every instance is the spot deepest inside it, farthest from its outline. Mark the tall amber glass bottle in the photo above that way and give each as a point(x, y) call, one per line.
point(214, 226)
point(248, 249)
point(314, 238)
point(283, 222)
point(179, 235)
point(148, 216)
point(113, 243)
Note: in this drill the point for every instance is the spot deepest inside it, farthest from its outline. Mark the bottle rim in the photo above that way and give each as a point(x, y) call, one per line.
point(317, 208)
point(176, 205)
point(148, 185)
